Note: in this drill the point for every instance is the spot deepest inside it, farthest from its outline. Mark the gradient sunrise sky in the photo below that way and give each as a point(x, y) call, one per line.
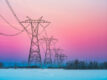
point(79, 25)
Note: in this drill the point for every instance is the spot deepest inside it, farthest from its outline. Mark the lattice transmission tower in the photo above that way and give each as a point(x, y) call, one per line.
point(48, 52)
point(59, 57)
point(34, 53)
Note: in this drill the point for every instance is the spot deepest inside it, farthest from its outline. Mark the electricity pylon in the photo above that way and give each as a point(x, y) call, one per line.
point(34, 53)
point(48, 52)
point(62, 58)
point(59, 57)
point(57, 51)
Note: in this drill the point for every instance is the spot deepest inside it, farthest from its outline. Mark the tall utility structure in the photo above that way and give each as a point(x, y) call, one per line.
point(34, 53)
point(62, 58)
point(48, 52)
point(57, 52)
point(59, 57)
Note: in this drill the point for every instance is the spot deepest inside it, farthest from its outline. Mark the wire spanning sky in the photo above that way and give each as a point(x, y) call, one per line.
point(80, 26)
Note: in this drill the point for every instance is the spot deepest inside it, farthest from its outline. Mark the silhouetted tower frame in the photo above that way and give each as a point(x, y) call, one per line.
point(48, 52)
point(34, 52)
point(59, 57)
point(57, 52)
point(62, 58)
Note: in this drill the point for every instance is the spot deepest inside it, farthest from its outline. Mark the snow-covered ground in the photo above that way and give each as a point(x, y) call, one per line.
point(52, 74)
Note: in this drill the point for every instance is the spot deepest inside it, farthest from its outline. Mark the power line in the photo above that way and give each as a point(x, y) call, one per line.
point(11, 9)
point(8, 23)
point(17, 19)
point(4, 34)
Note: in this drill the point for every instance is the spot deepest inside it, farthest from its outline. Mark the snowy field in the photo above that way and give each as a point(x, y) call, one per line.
point(52, 74)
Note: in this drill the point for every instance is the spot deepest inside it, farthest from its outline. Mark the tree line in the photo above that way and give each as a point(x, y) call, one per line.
point(75, 64)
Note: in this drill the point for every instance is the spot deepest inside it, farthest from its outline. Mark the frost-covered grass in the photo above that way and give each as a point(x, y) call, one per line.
point(52, 74)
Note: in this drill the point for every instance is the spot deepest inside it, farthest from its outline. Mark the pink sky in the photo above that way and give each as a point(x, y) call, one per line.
point(79, 25)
